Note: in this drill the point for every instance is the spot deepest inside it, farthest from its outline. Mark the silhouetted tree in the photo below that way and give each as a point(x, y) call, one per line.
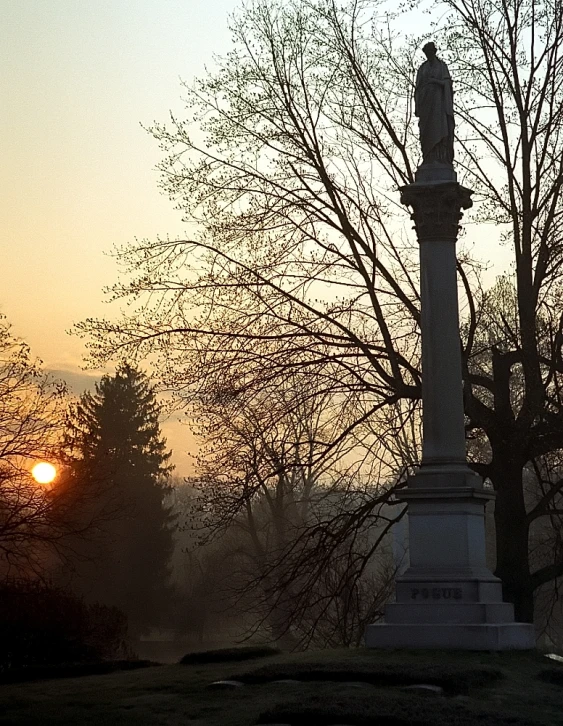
point(115, 448)
point(274, 467)
point(32, 408)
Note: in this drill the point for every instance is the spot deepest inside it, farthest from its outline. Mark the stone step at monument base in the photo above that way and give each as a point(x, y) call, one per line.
point(453, 636)
point(459, 613)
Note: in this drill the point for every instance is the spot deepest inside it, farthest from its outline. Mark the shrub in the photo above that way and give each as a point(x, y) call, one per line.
point(43, 625)
point(224, 655)
point(107, 633)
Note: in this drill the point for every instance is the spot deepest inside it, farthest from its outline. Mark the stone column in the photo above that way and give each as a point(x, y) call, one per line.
point(447, 598)
point(437, 214)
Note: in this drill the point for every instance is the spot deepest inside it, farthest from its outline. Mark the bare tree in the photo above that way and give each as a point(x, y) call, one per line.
point(302, 261)
point(32, 409)
point(510, 62)
point(273, 465)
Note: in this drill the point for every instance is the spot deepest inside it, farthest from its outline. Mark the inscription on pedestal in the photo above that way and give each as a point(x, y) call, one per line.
point(436, 593)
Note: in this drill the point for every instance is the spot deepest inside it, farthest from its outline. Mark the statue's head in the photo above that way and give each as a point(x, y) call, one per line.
point(429, 50)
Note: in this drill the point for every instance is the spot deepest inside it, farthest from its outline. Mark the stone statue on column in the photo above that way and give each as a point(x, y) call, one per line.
point(447, 597)
point(433, 98)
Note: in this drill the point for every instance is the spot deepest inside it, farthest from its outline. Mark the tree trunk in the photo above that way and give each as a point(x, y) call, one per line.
point(512, 535)
point(278, 621)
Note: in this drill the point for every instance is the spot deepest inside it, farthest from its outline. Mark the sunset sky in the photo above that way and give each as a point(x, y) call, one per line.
point(78, 78)
point(78, 171)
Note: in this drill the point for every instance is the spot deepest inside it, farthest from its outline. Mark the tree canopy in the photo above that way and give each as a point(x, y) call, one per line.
point(289, 160)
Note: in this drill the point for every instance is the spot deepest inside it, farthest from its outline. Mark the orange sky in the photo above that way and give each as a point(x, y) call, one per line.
point(77, 175)
point(77, 77)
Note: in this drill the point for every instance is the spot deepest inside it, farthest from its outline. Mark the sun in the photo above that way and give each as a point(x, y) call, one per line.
point(44, 473)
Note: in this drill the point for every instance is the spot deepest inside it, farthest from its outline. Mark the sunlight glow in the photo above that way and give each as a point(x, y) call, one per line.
point(44, 473)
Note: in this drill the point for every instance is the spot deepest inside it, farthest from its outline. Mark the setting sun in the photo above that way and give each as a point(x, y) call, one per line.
point(44, 473)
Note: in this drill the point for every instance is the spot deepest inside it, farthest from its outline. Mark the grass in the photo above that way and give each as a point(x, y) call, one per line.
point(455, 679)
point(508, 689)
point(35, 673)
point(552, 675)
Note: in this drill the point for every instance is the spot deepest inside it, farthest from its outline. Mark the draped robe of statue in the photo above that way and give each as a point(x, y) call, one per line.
point(435, 110)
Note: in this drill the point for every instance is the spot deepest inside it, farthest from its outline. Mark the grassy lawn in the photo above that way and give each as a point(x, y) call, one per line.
point(479, 689)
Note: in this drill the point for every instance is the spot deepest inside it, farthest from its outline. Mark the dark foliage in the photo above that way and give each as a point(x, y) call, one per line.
point(42, 625)
point(224, 655)
point(115, 449)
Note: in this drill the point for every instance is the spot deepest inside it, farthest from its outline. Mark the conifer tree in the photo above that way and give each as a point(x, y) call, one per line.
point(116, 450)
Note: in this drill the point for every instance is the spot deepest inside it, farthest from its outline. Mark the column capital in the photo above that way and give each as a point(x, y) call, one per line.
point(437, 208)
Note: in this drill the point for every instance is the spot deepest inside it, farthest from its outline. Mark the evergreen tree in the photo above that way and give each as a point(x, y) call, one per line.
point(116, 451)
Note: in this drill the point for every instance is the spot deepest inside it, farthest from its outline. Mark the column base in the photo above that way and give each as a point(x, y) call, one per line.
point(448, 598)
point(452, 636)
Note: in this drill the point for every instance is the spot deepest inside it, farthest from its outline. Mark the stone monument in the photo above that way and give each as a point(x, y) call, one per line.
point(447, 598)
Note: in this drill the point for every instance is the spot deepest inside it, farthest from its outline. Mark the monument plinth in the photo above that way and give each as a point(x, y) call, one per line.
point(447, 598)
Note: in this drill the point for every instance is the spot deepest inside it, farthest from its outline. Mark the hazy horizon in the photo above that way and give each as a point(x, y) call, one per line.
point(78, 79)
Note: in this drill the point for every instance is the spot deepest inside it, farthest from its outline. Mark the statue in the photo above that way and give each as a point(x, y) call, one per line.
point(433, 104)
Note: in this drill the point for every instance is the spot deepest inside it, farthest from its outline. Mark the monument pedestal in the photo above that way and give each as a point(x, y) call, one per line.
point(447, 598)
